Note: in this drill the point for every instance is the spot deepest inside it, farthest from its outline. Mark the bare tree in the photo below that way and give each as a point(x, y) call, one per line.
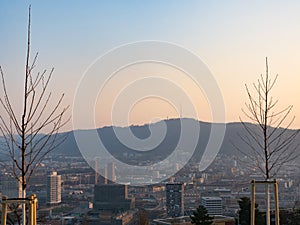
point(29, 137)
point(270, 139)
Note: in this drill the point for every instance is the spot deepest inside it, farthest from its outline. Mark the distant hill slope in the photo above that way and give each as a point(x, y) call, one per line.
point(111, 142)
point(166, 146)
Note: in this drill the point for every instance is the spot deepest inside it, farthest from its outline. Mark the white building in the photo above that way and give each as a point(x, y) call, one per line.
point(53, 189)
point(213, 205)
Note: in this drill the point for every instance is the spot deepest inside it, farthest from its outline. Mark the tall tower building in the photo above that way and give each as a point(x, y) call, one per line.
point(111, 174)
point(96, 171)
point(175, 199)
point(53, 189)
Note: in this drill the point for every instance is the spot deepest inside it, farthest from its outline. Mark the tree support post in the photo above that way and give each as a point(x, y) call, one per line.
point(4, 210)
point(253, 203)
point(31, 201)
point(275, 191)
point(276, 202)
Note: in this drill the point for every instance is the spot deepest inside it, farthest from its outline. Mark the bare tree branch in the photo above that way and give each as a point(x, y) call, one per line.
point(269, 144)
point(29, 137)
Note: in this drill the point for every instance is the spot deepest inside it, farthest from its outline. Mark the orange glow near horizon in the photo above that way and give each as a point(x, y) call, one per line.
point(144, 92)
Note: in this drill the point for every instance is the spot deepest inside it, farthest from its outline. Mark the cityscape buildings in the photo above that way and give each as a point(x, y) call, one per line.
point(84, 202)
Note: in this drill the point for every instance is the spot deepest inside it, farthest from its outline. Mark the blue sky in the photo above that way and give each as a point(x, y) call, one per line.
point(231, 37)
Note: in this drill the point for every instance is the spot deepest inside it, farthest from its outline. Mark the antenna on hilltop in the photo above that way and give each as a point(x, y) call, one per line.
point(180, 115)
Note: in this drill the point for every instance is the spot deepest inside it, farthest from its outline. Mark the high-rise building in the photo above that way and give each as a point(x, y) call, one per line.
point(111, 174)
point(96, 171)
point(53, 189)
point(175, 199)
point(213, 205)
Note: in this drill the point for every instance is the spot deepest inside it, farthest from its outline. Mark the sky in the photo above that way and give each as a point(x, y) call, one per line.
point(232, 38)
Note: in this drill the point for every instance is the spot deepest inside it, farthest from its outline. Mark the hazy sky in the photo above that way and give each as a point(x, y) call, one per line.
point(231, 37)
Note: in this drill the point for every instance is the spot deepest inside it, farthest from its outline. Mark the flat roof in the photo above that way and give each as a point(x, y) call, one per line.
point(212, 198)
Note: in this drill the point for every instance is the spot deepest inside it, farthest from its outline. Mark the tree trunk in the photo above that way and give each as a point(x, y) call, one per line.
point(268, 221)
point(24, 207)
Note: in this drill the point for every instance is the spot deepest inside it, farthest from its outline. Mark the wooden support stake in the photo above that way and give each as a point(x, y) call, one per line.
point(277, 219)
point(31, 200)
point(4, 210)
point(253, 203)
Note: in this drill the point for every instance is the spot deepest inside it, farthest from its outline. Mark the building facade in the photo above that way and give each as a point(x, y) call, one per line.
point(112, 197)
point(213, 205)
point(175, 199)
point(53, 189)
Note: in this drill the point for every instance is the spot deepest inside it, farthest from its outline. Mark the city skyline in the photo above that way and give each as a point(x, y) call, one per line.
point(232, 38)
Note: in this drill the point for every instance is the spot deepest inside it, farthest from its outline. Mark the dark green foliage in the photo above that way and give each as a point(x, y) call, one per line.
point(245, 213)
point(201, 217)
point(290, 217)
